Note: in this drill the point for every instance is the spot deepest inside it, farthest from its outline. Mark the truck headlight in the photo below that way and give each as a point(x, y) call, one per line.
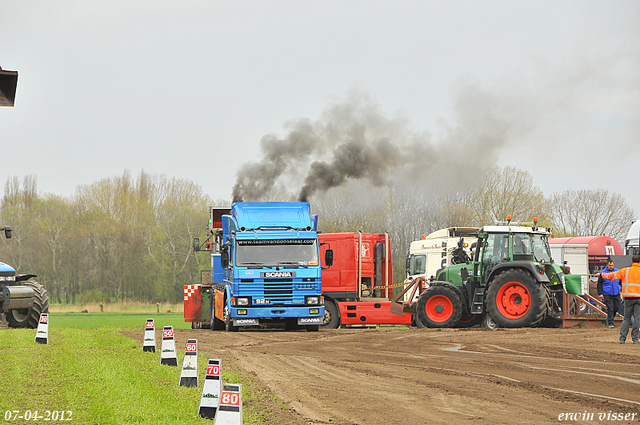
point(313, 300)
point(314, 311)
point(242, 301)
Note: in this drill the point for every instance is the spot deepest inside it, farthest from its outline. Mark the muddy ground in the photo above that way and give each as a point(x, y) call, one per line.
point(429, 376)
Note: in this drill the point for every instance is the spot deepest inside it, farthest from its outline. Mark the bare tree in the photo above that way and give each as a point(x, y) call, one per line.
point(508, 191)
point(591, 213)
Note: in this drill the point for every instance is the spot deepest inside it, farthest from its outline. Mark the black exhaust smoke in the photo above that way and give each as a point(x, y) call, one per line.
point(353, 140)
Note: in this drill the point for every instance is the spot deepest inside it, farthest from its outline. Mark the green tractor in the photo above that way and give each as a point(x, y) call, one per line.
point(510, 282)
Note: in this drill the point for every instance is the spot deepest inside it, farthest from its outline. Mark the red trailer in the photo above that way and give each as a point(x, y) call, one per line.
point(600, 249)
point(358, 287)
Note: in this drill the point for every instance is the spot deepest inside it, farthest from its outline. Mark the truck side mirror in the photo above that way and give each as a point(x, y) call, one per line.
point(7, 232)
point(328, 258)
point(196, 244)
point(224, 257)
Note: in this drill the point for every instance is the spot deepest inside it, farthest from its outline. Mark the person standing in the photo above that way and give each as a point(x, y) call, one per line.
point(630, 277)
point(609, 293)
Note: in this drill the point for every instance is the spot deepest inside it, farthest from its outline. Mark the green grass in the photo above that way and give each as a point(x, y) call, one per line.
point(99, 375)
point(99, 320)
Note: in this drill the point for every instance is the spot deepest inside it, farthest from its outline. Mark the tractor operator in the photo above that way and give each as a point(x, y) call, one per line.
point(630, 277)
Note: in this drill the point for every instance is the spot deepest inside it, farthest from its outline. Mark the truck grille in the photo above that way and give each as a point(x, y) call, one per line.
point(278, 291)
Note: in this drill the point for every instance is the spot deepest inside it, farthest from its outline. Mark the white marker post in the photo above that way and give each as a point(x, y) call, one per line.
point(149, 343)
point(230, 410)
point(168, 349)
point(211, 389)
point(42, 334)
point(189, 373)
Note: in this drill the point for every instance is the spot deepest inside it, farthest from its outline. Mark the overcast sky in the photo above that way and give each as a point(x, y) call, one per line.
point(189, 88)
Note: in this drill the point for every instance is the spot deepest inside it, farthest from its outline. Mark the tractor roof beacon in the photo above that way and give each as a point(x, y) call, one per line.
point(512, 281)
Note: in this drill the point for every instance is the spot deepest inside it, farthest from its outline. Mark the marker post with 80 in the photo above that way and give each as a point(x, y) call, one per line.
point(230, 410)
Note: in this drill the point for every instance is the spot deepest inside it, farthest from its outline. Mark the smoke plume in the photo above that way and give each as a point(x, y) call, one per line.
point(353, 140)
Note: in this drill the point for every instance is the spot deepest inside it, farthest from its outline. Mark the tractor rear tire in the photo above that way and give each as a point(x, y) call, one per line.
point(29, 318)
point(215, 324)
point(516, 300)
point(331, 315)
point(439, 307)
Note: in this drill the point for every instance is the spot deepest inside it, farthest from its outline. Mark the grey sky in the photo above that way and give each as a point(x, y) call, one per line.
point(189, 88)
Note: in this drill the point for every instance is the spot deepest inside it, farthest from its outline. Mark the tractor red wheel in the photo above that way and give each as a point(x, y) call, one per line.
point(515, 300)
point(439, 307)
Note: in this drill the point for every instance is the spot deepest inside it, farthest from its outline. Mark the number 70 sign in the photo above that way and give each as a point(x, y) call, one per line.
point(213, 369)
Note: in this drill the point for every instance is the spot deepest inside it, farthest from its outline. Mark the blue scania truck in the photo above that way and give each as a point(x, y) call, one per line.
point(265, 269)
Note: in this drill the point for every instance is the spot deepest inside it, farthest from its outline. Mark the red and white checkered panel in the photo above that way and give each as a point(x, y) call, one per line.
point(192, 303)
point(190, 290)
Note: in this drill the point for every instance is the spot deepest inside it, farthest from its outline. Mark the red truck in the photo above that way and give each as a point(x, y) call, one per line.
point(358, 286)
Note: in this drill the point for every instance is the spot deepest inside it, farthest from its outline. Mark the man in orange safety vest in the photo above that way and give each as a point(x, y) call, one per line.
point(630, 277)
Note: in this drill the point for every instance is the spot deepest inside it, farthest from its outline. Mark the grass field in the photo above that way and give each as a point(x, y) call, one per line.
point(95, 375)
point(119, 320)
point(127, 307)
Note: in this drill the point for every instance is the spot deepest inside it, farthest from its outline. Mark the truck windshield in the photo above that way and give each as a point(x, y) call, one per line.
point(417, 264)
point(273, 252)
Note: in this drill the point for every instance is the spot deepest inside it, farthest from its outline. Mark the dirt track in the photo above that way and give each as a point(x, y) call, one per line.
point(428, 376)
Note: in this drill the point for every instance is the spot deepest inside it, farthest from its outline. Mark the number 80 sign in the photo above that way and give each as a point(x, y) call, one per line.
point(230, 398)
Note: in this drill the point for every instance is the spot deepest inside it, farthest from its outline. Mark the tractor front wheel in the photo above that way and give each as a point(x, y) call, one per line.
point(439, 307)
point(516, 300)
point(29, 318)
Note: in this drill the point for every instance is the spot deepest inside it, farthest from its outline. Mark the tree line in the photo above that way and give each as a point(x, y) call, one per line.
point(124, 238)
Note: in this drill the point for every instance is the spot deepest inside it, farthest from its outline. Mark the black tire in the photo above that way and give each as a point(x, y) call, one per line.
point(29, 318)
point(214, 323)
point(439, 307)
point(469, 320)
point(228, 321)
point(488, 322)
point(331, 315)
point(516, 300)
point(418, 324)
